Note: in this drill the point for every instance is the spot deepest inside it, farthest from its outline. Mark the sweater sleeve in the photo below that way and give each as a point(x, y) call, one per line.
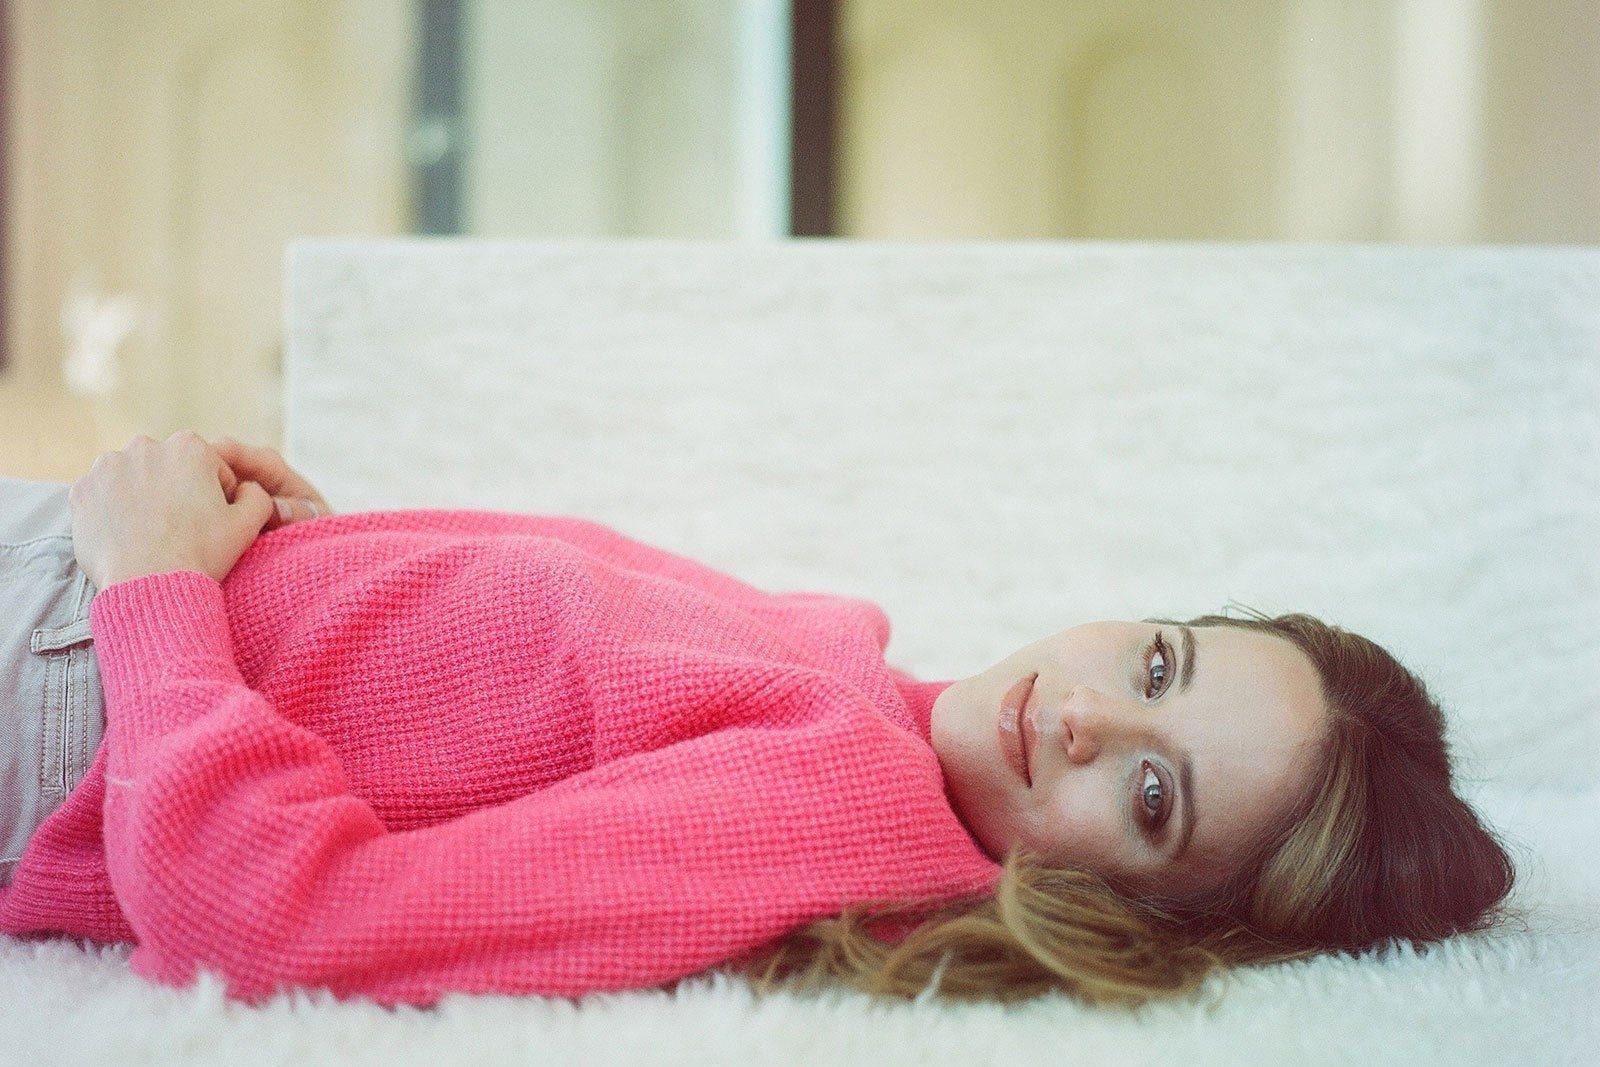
point(235, 845)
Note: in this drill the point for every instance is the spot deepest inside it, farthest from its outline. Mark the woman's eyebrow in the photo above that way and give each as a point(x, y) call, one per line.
point(1185, 764)
point(1186, 673)
point(1186, 798)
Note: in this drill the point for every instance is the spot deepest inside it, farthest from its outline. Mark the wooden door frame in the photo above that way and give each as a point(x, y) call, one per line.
point(813, 123)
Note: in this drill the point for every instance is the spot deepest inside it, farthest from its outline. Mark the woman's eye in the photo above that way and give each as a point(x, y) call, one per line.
point(1157, 670)
point(1153, 798)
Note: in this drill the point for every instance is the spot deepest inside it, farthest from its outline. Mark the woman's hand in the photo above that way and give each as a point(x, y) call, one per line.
point(174, 505)
point(294, 497)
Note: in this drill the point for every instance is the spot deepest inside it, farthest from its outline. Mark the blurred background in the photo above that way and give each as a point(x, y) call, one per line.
point(157, 154)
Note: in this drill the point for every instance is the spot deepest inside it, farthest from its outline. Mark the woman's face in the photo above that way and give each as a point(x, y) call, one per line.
point(1154, 755)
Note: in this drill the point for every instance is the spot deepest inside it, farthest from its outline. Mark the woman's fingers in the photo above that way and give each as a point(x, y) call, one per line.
point(266, 466)
point(261, 465)
point(287, 509)
point(228, 479)
point(252, 508)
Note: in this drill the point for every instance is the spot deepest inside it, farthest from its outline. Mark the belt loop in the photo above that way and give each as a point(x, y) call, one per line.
point(57, 638)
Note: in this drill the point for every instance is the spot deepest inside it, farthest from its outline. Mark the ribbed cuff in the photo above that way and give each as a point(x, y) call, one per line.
point(151, 631)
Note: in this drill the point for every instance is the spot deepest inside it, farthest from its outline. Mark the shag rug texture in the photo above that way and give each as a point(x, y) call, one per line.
point(995, 442)
point(1526, 994)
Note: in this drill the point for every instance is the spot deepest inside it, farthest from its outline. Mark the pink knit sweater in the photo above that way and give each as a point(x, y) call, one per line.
point(403, 754)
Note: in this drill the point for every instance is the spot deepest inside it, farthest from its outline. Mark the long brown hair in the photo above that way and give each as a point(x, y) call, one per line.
point(1380, 848)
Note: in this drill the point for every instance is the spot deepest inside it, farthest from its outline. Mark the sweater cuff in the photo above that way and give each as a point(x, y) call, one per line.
point(149, 631)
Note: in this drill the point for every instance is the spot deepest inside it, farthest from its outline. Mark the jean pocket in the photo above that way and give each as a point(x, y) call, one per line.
point(73, 713)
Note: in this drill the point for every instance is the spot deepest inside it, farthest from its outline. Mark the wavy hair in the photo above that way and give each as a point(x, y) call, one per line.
point(1380, 848)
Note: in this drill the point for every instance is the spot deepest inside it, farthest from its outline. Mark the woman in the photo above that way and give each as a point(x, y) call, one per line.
point(400, 755)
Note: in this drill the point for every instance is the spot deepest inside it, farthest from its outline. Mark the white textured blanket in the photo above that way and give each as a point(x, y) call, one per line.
point(994, 442)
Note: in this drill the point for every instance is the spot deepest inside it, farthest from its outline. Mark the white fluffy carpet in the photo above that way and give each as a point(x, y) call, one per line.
point(1515, 996)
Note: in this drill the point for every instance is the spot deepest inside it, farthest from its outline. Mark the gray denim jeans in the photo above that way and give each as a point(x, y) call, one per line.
point(52, 712)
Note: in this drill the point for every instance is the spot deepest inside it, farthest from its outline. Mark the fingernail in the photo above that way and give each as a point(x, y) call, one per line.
point(285, 509)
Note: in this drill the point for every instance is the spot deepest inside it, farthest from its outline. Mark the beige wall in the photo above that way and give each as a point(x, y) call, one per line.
point(1541, 121)
point(161, 154)
point(1390, 120)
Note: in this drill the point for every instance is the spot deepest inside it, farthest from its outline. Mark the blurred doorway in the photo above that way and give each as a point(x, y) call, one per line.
point(1328, 120)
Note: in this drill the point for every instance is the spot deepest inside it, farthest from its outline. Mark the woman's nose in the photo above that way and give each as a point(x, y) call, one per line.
point(1090, 720)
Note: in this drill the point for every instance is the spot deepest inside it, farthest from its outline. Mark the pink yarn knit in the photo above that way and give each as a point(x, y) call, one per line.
point(405, 754)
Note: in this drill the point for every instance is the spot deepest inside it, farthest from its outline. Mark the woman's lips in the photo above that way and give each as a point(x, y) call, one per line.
point(1015, 729)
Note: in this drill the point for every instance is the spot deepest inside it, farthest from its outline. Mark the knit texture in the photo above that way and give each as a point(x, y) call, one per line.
point(403, 754)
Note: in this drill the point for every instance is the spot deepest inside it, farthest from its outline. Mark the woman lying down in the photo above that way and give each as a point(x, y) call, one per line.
point(399, 755)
